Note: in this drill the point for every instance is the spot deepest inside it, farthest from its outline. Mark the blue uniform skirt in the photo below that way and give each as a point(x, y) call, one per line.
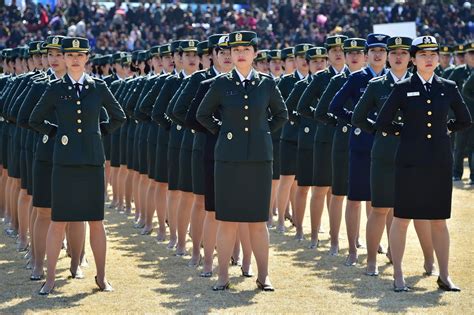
point(185, 181)
point(242, 191)
point(77, 193)
point(359, 176)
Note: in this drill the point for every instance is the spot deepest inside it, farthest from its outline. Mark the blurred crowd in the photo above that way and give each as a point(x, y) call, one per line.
point(130, 26)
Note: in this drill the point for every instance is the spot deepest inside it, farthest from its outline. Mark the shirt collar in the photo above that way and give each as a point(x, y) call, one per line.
point(217, 72)
point(81, 79)
point(300, 75)
point(374, 74)
point(242, 78)
point(338, 72)
point(423, 81)
point(394, 77)
point(185, 75)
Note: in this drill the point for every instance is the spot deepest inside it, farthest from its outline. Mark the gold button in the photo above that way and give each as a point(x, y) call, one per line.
point(397, 133)
point(246, 118)
point(344, 129)
point(79, 111)
point(357, 131)
point(246, 96)
point(238, 83)
point(64, 140)
point(45, 138)
point(246, 129)
point(79, 130)
point(246, 107)
point(193, 131)
point(306, 129)
point(384, 134)
point(79, 121)
point(428, 124)
point(430, 113)
point(292, 122)
point(178, 127)
point(428, 101)
point(229, 135)
point(428, 136)
point(78, 102)
point(399, 117)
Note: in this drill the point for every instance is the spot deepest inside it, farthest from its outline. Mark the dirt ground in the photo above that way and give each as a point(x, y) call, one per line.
point(148, 279)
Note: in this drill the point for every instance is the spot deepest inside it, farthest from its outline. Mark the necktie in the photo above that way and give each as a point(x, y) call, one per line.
point(78, 88)
point(428, 87)
point(246, 83)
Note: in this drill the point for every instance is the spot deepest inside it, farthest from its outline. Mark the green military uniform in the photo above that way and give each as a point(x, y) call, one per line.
point(461, 148)
point(243, 152)
point(382, 167)
point(446, 72)
point(289, 133)
point(78, 150)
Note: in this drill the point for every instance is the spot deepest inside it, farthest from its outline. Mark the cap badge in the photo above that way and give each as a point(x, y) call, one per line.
point(76, 43)
point(238, 37)
point(354, 43)
point(338, 40)
point(398, 41)
point(55, 40)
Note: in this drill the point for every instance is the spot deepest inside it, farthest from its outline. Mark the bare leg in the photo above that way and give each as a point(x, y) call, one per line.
point(197, 223)
point(244, 236)
point(23, 219)
point(183, 218)
point(283, 197)
point(2, 192)
point(209, 239)
point(54, 241)
point(226, 233)
point(335, 217)
point(14, 202)
point(260, 247)
point(128, 189)
point(161, 202)
point(43, 219)
point(275, 184)
point(398, 235)
point(423, 230)
point(374, 232)
point(173, 199)
point(150, 209)
point(75, 234)
point(352, 226)
point(98, 241)
point(136, 195)
point(317, 212)
point(440, 235)
point(300, 207)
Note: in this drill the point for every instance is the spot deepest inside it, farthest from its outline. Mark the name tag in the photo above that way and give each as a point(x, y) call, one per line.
point(230, 93)
point(409, 94)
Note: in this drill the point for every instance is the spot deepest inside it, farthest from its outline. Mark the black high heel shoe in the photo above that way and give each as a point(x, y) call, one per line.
point(37, 277)
point(107, 287)
point(400, 289)
point(265, 287)
point(224, 287)
point(445, 287)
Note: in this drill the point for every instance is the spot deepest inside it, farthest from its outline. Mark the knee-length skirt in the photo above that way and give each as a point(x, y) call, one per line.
point(185, 182)
point(382, 183)
point(304, 167)
point(288, 152)
point(322, 164)
point(42, 171)
point(359, 176)
point(423, 193)
point(173, 168)
point(77, 193)
point(242, 191)
point(197, 171)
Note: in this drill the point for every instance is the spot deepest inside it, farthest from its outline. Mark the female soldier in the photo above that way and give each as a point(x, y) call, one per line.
point(78, 154)
point(382, 166)
point(289, 136)
point(424, 155)
point(355, 60)
point(318, 141)
point(243, 152)
point(261, 62)
point(317, 61)
point(360, 142)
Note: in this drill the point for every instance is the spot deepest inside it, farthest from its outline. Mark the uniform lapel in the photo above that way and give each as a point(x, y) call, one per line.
point(419, 86)
point(69, 87)
point(234, 77)
point(254, 82)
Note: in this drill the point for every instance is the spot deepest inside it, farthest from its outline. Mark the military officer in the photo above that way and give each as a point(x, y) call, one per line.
point(316, 139)
point(461, 143)
point(275, 64)
point(243, 153)
point(423, 156)
point(459, 54)
point(261, 61)
point(289, 136)
point(78, 153)
point(360, 143)
point(193, 142)
point(169, 166)
point(354, 51)
point(382, 172)
point(445, 67)
point(156, 139)
point(204, 53)
point(288, 57)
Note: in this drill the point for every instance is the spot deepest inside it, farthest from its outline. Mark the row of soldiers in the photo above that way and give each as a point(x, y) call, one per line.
point(157, 159)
